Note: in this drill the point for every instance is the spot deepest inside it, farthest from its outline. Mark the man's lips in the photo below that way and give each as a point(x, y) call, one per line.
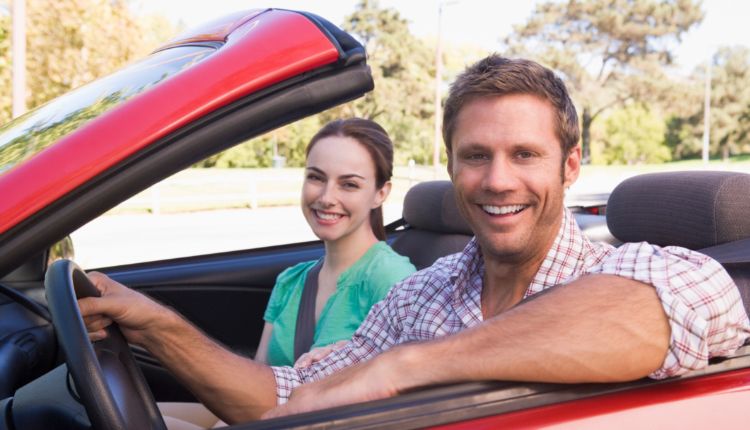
point(503, 210)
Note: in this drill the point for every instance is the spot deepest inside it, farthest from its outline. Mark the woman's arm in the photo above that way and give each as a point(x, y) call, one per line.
point(261, 354)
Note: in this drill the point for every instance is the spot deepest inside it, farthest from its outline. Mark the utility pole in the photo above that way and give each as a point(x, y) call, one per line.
point(707, 111)
point(18, 35)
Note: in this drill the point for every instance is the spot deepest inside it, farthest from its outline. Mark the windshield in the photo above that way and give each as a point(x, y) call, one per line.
point(30, 133)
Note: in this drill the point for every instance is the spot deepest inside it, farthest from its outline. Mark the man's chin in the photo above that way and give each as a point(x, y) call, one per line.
point(506, 251)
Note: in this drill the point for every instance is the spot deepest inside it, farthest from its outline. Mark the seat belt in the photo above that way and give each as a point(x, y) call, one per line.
point(304, 332)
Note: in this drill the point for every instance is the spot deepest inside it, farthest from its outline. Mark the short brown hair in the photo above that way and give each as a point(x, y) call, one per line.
point(496, 76)
point(377, 142)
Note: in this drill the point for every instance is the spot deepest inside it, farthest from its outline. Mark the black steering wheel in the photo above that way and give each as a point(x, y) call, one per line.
point(107, 379)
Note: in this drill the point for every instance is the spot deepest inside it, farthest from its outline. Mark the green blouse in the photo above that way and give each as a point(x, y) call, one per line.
point(362, 285)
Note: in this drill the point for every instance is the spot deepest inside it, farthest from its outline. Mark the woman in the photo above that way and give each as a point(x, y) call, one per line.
point(347, 177)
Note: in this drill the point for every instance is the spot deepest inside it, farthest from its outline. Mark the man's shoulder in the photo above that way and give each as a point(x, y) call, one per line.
point(440, 275)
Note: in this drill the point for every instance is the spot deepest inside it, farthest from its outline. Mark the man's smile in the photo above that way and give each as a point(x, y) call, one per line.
point(503, 210)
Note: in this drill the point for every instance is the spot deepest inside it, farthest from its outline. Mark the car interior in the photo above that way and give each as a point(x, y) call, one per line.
point(225, 294)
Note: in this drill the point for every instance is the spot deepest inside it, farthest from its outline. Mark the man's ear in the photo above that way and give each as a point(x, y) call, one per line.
point(381, 195)
point(572, 166)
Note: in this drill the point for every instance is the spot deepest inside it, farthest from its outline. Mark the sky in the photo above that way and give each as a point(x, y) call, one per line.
point(479, 22)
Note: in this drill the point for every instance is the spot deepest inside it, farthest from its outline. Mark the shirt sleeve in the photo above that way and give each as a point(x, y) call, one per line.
point(378, 332)
point(706, 314)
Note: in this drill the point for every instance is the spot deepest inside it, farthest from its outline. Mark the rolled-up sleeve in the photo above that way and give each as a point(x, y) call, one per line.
point(706, 314)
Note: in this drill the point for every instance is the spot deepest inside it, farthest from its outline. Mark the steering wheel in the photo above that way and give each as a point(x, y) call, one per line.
point(107, 379)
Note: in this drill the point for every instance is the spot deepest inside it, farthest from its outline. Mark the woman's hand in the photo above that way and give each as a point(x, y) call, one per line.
point(317, 354)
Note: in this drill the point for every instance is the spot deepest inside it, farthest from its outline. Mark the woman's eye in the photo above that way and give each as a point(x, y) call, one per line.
point(350, 185)
point(314, 177)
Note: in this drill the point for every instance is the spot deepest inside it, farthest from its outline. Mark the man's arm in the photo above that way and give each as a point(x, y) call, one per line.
point(235, 388)
point(599, 328)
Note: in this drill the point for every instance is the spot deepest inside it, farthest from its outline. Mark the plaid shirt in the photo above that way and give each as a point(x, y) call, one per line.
point(705, 311)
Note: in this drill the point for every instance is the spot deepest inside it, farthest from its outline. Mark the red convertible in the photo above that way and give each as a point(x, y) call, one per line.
point(71, 160)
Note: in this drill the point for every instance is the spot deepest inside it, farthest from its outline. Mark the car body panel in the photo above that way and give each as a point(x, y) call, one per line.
point(686, 403)
point(264, 41)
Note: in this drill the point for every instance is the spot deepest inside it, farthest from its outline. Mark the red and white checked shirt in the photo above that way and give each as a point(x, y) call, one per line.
point(705, 311)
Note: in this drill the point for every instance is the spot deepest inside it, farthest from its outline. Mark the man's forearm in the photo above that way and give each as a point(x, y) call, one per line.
point(234, 387)
point(599, 328)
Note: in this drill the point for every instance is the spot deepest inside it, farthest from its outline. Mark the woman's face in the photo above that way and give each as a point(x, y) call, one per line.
point(340, 190)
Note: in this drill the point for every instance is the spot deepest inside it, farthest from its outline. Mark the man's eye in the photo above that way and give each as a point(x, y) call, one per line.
point(525, 155)
point(476, 157)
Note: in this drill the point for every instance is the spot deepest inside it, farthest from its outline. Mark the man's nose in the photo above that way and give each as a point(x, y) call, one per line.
point(501, 176)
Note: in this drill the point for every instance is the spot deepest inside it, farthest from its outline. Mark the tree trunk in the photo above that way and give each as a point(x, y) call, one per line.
point(586, 136)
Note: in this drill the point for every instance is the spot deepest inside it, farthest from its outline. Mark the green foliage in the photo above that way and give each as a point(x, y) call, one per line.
point(609, 52)
point(683, 136)
point(5, 68)
point(74, 42)
point(634, 135)
point(730, 102)
point(403, 70)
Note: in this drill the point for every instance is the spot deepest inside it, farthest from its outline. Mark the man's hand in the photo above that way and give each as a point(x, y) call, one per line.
point(136, 314)
point(376, 379)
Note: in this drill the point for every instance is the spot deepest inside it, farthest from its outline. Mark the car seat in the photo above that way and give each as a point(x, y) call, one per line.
point(435, 228)
point(707, 211)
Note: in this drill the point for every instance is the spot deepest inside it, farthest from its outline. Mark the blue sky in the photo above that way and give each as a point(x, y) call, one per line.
point(480, 22)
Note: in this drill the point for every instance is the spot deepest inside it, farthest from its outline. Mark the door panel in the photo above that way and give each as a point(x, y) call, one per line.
point(225, 295)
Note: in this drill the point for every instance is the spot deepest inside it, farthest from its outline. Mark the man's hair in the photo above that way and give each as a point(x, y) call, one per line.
point(496, 76)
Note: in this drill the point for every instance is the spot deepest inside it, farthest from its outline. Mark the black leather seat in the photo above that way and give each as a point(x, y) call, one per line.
point(703, 210)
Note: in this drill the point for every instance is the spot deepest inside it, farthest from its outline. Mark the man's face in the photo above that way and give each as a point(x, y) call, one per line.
point(507, 167)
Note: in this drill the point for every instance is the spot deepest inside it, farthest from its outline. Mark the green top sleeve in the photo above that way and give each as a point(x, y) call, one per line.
point(362, 285)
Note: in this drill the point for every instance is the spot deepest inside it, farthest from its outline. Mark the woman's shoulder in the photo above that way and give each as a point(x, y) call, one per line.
point(384, 259)
point(294, 275)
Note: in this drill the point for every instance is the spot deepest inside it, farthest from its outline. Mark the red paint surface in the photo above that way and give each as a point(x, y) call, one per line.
point(717, 401)
point(269, 48)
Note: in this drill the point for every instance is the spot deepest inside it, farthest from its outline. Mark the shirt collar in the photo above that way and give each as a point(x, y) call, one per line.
point(563, 260)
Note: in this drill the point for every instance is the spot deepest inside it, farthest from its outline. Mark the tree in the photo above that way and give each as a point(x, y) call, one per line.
point(609, 52)
point(634, 135)
point(730, 101)
point(403, 70)
point(74, 42)
point(5, 65)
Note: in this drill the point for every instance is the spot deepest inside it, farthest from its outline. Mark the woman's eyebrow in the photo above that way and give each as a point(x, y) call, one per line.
point(352, 175)
point(315, 169)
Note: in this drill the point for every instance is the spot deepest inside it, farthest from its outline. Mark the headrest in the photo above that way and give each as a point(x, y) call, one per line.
point(432, 206)
point(690, 209)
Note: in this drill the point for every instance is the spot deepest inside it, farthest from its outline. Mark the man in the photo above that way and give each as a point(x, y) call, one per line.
point(607, 314)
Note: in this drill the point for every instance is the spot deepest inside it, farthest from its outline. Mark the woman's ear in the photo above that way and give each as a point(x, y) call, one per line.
point(381, 195)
